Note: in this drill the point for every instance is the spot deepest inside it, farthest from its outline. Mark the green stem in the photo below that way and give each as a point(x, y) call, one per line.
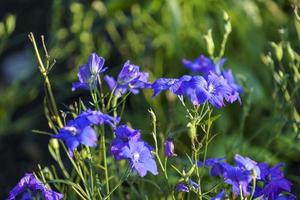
point(105, 164)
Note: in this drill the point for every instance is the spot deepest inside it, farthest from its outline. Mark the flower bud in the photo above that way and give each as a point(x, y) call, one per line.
point(169, 148)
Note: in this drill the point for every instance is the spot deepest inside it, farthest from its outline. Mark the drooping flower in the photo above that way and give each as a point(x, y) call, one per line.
point(123, 135)
point(79, 130)
point(140, 157)
point(182, 187)
point(169, 148)
point(219, 196)
point(130, 78)
point(30, 187)
point(88, 73)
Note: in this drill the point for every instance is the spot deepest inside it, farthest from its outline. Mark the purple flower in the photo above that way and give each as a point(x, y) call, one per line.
point(206, 66)
point(219, 196)
point(79, 131)
point(140, 157)
point(274, 188)
point(247, 164)
point(217, 165)
point(237, 177)
point(182, 187)
point(98, 118)
point(235, 88)
point(202, 64)
point(88, 73)
point(130, 78)
point(169, 148)
point(274, 182)
point(162, 84)
point(123, 135)
point(213, 88)
point(29, 187)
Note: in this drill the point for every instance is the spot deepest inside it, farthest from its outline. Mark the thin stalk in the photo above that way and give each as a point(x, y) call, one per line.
point(105, 164)
point(241, 193)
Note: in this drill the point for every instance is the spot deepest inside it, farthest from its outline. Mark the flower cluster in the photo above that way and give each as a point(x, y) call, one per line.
point(129, 145)
point(80, 131)
point(272, 184)
point(30, 188)
point(213, 85)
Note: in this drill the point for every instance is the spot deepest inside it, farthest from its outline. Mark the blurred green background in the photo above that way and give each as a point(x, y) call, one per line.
point(155, 35)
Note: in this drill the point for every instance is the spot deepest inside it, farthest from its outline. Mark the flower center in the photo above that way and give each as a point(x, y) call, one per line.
point(211, 88)
point(130, 68)
point(136, 156)
point(72, 130)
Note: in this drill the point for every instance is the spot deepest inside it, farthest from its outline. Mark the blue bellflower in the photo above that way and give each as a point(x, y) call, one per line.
point(247, 164)
point(274, 183)
point(237, 177)
point(129, 145)
point(123, 135)
point(88, 73)
point(206, 66)
point(162, 84)
point(30, 187)
point(140, 157)
point(236, 90)
point(130, 78)
point(79, 130)
point(217, 165)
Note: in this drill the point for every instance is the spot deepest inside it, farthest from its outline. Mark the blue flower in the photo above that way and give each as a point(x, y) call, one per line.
point(202, 64)
point(206, 66)
point(274, 183)
point(169, 148)
point(123, 135)
point(29, 187)
point(130, 78)
point(79, 131)
point(140, 157)
point(237, 177)
point(219, 196)
point(217, 165)
point(236, 90)
point(274, 188)
point(129, 145)
point(213, 89)
point(88, 73)
point(247, 164)
point(162, 84)
point(182, 187)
